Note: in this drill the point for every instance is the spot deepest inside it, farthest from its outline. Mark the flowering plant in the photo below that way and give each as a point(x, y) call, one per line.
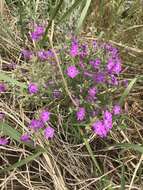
point(83, 85)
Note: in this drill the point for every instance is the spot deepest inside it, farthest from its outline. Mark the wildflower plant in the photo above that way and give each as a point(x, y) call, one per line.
point(91, 72)
point(77, 80)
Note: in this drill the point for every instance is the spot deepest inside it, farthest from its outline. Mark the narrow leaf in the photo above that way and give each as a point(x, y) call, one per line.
point(123, 177)
point(135, 147)
point(89, 150)
point(9, 131)
point(22, 162)
point(13, 133)
point(55, 12)
point(70, 10)
point(83, 14)
point(127, 91)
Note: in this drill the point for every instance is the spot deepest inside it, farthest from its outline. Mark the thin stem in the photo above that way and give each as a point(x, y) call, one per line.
point(90, 151)
point(61, 72)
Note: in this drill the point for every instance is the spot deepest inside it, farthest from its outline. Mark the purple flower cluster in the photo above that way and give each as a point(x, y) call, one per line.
point(74, 48)
point(27, 54)
point(99, 72)
point(114, 65)
point(37, 33)
point(36, 124)
point(95, 68)
point(92, 92)
point(98, 67)
point(95, 63)
point(43, 55)
point(102, 127)
point(83, 50)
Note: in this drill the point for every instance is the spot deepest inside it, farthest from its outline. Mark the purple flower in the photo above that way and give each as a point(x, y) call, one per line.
point(95, 63)
point(56, 93)
point(114, 52)
point(95, 45)
point(92, 92)
point(111, 50)
point(94, 113)
point(3, 141)
point(114, 80)
point(99, 77)
point(45, 116)
point(27, 54)
point(114, 66)
point(49, 132)
point(2, 115)
point(108, 124)
point(36, 124)
point(2, 87)
point(80, 114)
point(32, 88)
point(37, 33)
point(99, 128)
point(83, 51)
point(74, 48)
point(50, 53)
point(108, 47)
point(116, 110)
point(25, 137)
point(107, 115)
point(72, 71)
point(81, 64)
point(43, 55)
point(107, 120)
point(90, 99)
point(117, 67)
point(110, 65)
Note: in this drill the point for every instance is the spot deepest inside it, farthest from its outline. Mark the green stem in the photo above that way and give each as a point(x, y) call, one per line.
point(90, 151)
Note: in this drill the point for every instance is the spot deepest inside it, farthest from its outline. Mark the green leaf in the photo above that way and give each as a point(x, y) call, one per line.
point(55, 12)
point(89, 149)
point(12, 81)
point(23, 162)
point(123, 178)
point(9, 131)
point(13, 133)
point(83, 14)
point(135, 147)
point(127, 90)
point(70, 10)
point(123, 126)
